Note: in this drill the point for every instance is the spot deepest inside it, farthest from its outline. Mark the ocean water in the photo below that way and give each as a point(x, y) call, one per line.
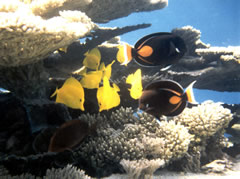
point(218, 21)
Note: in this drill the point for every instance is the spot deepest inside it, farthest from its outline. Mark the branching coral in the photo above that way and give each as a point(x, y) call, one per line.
point(129, 137)
point(205, 120)
point(141, 169)
point(67, 172)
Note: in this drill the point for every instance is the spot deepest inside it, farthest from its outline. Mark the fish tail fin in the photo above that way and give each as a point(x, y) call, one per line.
point(56, 91)
point(189, 93)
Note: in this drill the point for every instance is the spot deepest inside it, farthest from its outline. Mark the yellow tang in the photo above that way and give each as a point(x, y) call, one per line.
point(92, 59)
point(135, 80)
point(107, 71)
point(108, 96)
point(91, 79)
point(71, 94)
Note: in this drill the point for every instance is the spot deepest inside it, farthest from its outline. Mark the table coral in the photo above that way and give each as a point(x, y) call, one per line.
point(26, 38)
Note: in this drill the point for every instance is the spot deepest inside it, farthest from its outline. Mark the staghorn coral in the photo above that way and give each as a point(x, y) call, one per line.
point(141, 169)
point(26, 38)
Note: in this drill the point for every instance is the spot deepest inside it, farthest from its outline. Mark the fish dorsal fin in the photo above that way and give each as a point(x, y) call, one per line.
point(95, 52)
point(189, 93)
point(102, 66)
point(73, 82)
point(145, 38)
point(116, 88)
point(167, 84)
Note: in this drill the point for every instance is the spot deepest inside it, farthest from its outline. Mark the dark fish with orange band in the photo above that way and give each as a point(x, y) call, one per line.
point(165, 97)
point(158, 49)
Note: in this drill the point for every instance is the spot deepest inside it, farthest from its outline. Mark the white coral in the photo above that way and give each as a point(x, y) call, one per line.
point(205, 119)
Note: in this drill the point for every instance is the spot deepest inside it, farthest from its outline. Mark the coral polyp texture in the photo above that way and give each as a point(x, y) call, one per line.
point(26, 38)
point(206, 119)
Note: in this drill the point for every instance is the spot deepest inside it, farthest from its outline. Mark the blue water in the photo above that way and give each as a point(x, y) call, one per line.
point(218, 21)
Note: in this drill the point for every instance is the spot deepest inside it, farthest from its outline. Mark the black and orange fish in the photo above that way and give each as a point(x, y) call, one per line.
point(165, 97)
point(158, 49)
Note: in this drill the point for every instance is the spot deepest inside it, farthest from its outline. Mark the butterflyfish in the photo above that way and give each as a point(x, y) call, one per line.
point(108, 96)
point(69, 135)
point(92, 59)
point(107, 71)
point(166, 97)
point(71, 94)
point(135, 80)
point(91, 79)
point(157, 49)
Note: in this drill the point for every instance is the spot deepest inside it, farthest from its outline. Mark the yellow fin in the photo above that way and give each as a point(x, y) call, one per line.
point(124, 54)
point(55, 93)
point(108, 70)
point(135, 80)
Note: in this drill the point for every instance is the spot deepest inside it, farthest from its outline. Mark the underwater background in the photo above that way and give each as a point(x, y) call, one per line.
point(218, 21)
point(61, 60)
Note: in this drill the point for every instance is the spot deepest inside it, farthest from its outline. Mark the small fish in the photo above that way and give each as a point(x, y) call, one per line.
point(63, 49)
point(107, 71)
point(158, 49)
point(92, 59)
point(69, 135)
point(91, 79)
point(71, 94)
point(165, 97)
point(108, 96)
point(135, 80)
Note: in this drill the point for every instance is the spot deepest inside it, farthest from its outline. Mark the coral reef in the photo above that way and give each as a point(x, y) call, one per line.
point(27, 38)
point(31, 66)
point(67, 172)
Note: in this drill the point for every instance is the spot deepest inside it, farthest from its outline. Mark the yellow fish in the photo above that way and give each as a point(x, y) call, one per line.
point(107, 71)
point(71, 94)
point(91, 79)
point(135, 80)
point(108, 96)
point(92, 59)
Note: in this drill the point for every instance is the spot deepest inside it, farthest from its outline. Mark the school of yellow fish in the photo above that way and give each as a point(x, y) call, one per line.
point(72, 92)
